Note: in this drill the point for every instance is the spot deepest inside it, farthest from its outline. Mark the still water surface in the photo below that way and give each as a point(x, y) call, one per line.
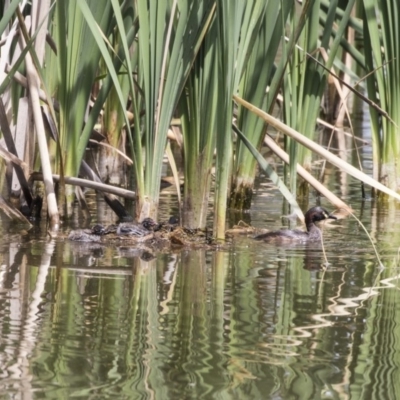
point(251, 321)
point(247, 321)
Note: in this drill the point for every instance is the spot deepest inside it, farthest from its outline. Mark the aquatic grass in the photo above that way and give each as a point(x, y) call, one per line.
point(290, 57)
point(296, 88)
point(49, 77)
point(120, 65)
point(310, 179)
point(164, 65)
point(304, 81)
point(237, 28)
point(115, 117)
point(271, 173)
point(333, 159)
point(215, 75)
point(102, 43)
point(175, 173)
point(382, 56)
point(229, 15)
point(259, 71)
point(371, 103)
point(355, 23)
point(8, 14)
point(10, 154)
point(33, 75)
point(113, 128)
point(77, 60)
point(197, 108)
point(10, 22)
point(33, 71)
point(144, 53)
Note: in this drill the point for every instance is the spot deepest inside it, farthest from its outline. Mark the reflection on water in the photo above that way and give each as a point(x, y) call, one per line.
point(254, 321)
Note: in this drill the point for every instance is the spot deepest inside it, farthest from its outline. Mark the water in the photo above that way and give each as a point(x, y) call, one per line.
point(247, 321)
point(252, 321)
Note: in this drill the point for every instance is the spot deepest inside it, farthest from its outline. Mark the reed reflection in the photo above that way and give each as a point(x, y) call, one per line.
point(251, 320)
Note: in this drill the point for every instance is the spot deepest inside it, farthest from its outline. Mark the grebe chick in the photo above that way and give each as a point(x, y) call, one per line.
point(87, 235)
point(145, 228)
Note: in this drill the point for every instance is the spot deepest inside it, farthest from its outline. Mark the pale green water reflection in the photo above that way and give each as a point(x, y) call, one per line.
point(251, 322)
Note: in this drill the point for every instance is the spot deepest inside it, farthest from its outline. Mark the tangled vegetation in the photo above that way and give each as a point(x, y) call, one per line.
point(132, 76)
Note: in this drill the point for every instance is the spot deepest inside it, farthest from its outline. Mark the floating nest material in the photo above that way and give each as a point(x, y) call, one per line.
point(165, 238)
point(243, 229)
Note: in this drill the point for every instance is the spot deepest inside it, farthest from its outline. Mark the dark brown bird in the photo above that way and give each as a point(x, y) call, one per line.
point(313, 233)
point(144, 228)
